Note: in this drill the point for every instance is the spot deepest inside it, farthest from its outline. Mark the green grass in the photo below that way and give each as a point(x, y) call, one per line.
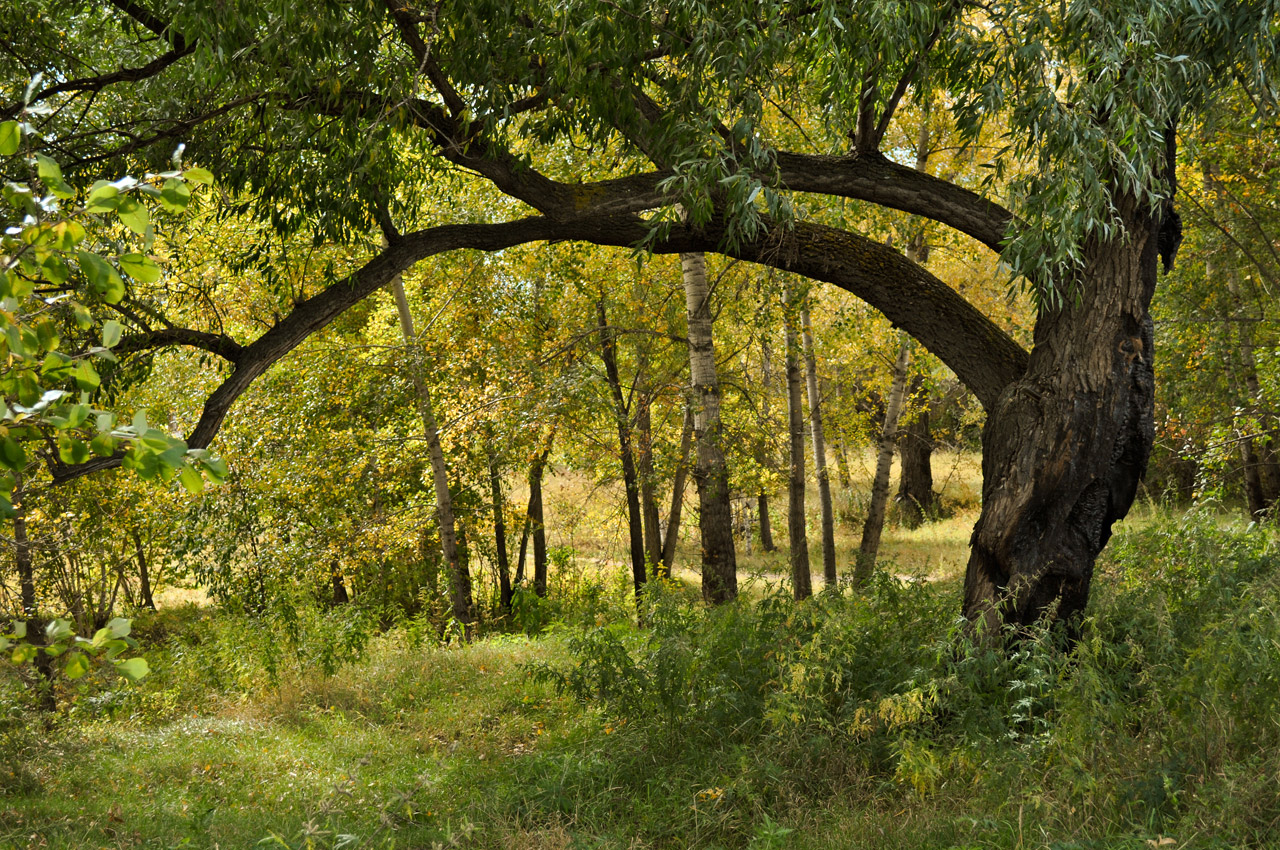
point(843, 722)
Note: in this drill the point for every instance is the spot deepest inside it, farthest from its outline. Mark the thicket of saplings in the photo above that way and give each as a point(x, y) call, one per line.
point(760, 723)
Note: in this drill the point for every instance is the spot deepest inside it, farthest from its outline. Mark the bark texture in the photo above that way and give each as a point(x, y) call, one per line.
point(819, 452)
point(1065, 447)
point(622, 419)
point(801, 579)
point(916, 500)
point(679, 480)
point(874, 525)
point(459, 574)
point(715, 521)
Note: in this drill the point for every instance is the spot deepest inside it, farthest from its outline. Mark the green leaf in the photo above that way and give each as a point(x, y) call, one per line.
point(102, 277)
point(51, 175)
point(191, 480)
point(119, 626)
point(59, 629)
point(111, 333)
point(23, 653)
point(199, 175)
point(103, 197)
point(174, 196)
point(72, 450)
point(77, 665)
point(20, 629)
point(86, 377)
point(133, 669)
point(133, 215)
point(140, 267)
point(11, 137)
point(103, 445)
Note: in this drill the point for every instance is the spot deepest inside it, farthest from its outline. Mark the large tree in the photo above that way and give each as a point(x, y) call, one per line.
point(717, 128)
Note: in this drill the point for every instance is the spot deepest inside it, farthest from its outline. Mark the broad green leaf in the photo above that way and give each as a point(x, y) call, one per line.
point(29, 391)
point(111, 333)
point(68, 234)
point(77, 665)
point(51, 175)
point(20, 629)
point(140, 267)
point(23, 653)
point(133, 215)
point(86, 376)
point(59, 629)
point(174, 196)
point(103, 445)
point(100, 637)
point(102, 277)
point(191, 480)
point(133, 669)
point(11, 138)
point(72, 450)
point(199, 175)
point(119, 626)
point(103, 197)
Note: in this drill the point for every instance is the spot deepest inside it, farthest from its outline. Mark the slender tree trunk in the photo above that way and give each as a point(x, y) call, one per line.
point(819, 452)
point(1261, 475)
point(678, 483)
point(719, 560)
point(762, 451)
point(537, 521)
point(915, 447)
point(144, 574)
point(635, 526)
point(874, 525)
point(22, 551)
point(801, 582)
point(339, 586)
point(838, 444)
point(648, 481)
point(1065, 446)
point(499, 525)
point(459, 575)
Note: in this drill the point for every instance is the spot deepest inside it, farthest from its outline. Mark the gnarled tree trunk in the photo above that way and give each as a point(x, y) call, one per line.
point(1065, 446)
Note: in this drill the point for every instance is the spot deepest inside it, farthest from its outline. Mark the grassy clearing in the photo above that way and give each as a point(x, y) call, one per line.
point(852, 721)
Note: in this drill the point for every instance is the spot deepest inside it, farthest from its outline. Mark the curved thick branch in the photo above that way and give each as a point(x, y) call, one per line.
point(982, 356)
point(223, 346)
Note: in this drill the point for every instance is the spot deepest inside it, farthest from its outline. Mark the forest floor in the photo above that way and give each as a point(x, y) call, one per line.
point(835, 724)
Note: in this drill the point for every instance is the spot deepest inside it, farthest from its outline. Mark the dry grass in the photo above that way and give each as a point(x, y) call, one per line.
point(589, 517)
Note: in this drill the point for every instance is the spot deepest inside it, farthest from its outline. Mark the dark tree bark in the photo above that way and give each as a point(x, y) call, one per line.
point(1066, 445)
point(874, 525)
point(499, 526)
point(144, 574)
point(454, 558)
point(819, 452)
point(648, 479)
point(915, 450)
point(339, 585)
point(710, 474)
point(801, 580)
point(536, 520)
point(762, 446)
point(679, 480)
point(622, 419)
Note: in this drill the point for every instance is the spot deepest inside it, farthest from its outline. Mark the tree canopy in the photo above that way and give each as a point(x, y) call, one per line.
point(765, 132)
